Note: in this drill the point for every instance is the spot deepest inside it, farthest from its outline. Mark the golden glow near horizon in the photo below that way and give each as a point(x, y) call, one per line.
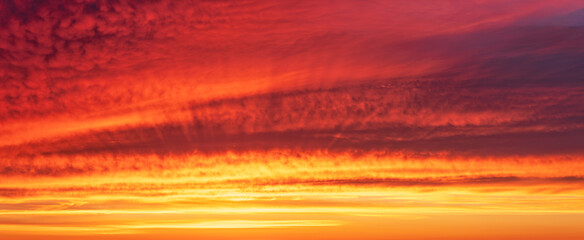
point(281, 189)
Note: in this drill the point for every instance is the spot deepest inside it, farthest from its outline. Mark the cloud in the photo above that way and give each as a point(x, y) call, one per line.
point(281, 173)
point(91, 60)
point(425, 117)
point(144, 109)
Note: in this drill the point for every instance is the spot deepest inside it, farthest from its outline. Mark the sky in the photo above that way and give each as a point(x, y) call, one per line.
point(380, 119)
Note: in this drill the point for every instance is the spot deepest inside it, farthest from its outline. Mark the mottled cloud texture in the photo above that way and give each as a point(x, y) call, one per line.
point(356, 108)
